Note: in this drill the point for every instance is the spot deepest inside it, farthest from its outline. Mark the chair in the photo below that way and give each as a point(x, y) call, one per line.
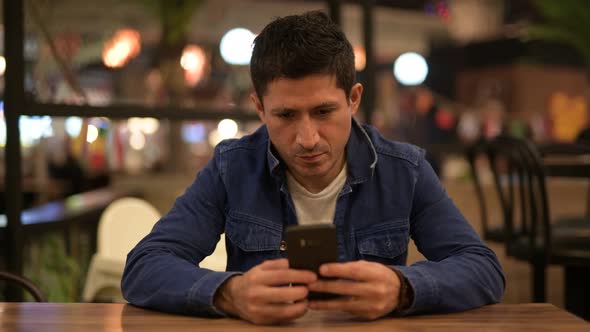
point(567, 240)
point(531, 235)
point(25, 283)
point(217, 261)
point(472, 154)
point(121, 226)
point(580, 148)
point(507, 159)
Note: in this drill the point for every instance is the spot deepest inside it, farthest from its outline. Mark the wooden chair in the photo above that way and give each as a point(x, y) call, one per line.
point(25, 283)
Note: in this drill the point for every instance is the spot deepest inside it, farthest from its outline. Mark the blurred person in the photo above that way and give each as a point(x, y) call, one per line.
point(63, 167)
point(311, 162)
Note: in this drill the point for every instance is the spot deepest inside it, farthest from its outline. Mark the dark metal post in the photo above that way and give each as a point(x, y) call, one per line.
point(14, 101)
point(368, 101)
point(334, 9)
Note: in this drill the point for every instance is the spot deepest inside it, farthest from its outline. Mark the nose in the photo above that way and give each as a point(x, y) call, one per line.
point(307, 134)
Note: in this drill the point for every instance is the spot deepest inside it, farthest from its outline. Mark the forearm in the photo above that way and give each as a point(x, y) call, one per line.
point(460, 282)
point(461, 271)
point(161, 280)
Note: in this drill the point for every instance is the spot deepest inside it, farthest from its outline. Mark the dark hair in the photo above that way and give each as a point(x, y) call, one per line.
point(299, 45)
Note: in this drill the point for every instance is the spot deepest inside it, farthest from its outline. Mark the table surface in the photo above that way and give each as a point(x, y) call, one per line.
point(89, 317)
point(68, 208)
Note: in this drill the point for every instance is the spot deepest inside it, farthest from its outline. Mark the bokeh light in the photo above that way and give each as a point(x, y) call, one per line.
point(194, 132)
point(193, 58)
point(360, 58)
point(149, 125)
point(193, 61)
point(227, 128)
point(410, 69)
point(134, 125)
point(32, 128)
point(236, 46)
point(2, 65)
point(137, 140)
point(125, 45)
point(92, 134)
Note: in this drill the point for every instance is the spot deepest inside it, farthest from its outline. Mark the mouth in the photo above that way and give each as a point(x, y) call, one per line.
point(311, 158)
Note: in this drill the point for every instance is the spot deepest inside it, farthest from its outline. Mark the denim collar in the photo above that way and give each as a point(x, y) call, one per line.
point(361, 156)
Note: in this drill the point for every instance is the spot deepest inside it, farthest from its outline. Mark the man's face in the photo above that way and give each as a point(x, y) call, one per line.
point(309, 122)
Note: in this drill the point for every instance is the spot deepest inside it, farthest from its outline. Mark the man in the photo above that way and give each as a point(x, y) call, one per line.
point(312, 162)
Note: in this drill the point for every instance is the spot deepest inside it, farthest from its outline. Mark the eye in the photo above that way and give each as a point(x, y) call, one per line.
point(324, 111)
point(286, 115)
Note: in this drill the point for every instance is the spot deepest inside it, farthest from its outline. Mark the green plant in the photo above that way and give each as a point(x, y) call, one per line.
point(565, 21)
point(174, 16)
point(57, 274)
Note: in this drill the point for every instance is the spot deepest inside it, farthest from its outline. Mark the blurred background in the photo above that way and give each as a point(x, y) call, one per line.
point(129, 98)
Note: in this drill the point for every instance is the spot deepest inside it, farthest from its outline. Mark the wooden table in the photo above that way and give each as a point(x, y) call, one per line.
point(90, 317)
point(566, 159)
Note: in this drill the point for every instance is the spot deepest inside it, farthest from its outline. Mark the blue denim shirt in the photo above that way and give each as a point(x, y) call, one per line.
point(391, 195)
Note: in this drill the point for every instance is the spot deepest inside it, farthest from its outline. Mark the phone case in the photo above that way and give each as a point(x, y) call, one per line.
point(309, 246)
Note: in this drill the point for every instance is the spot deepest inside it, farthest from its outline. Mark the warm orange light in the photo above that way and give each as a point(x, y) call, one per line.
point(193, 61)
point(360, 59)
point(125, 45)
point(193, 58)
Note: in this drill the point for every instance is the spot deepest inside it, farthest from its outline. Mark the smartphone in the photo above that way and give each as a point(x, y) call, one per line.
point(308, 247)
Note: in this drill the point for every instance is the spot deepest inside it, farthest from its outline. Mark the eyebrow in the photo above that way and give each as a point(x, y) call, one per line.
point(326, 104)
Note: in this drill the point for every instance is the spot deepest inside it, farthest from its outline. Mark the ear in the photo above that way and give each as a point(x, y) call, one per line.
point(356, 93)
point(258, 104)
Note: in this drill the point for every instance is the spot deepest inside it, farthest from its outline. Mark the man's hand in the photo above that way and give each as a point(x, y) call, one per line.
point(371, 289)
point(263, 296)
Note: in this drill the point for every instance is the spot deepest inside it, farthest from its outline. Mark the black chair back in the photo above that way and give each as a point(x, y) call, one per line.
point(509, 177)
point(474, 153)
point(519, 179)
point(25, 283)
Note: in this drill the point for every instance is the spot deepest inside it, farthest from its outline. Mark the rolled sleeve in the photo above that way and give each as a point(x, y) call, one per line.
point(426, 295)
point(202, 294)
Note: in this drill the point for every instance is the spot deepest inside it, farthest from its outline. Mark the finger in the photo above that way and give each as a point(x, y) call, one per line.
point(278, 313)
point(358, 270)
point(342, 287)
point(274, 264)
point(283, 277)
point(280, 294)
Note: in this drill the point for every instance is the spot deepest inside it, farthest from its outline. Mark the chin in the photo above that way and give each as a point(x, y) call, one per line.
point(317, 171)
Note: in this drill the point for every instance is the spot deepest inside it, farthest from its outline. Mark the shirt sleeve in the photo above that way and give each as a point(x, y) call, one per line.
point(162, 271)
point(461, 272)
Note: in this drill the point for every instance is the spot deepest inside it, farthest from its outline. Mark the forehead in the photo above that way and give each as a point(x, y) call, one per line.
point(311, 88)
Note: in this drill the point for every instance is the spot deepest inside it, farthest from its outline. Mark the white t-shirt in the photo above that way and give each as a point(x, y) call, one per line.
point(316, 208)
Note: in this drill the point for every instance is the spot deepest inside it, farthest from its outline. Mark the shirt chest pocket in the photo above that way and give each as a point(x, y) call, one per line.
point(385, 243)
point(251, 234)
